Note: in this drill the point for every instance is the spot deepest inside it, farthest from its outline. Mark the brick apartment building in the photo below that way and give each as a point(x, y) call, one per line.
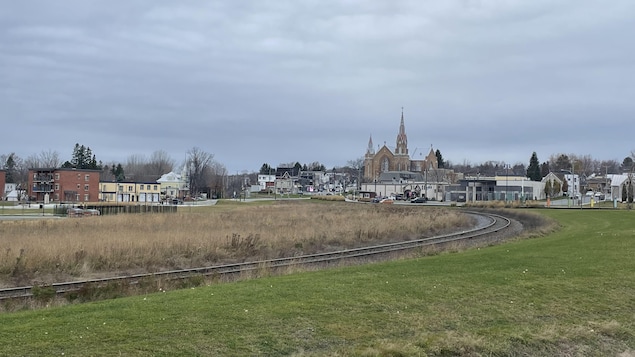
point(63, 185)
point(3, 181)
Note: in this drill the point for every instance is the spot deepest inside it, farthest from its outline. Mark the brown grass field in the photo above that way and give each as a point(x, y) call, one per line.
point(48, 251)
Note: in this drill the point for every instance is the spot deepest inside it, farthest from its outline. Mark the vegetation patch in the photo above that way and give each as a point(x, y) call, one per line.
point(566, 294)
point(49, 251)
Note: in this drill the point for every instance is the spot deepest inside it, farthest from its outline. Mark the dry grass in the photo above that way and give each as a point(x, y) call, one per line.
point(43, 252)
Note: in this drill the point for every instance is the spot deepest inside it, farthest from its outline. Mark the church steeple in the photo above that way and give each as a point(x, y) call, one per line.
point(402, 139)
point(370, 150)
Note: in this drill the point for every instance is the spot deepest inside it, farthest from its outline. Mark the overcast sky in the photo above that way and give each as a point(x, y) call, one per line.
point(280, 81)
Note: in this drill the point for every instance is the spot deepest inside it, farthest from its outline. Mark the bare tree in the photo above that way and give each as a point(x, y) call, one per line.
point(135, 167)
point(609, 167)
point(356, 166)
point(198, 162)
point(160, 163)
point(33, 161)
point(217, 176)
point(50, 158)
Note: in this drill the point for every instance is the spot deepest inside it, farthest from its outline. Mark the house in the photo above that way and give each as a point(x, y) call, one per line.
point(619, 186)
point(573, 184)
point(285, 182)
point(266, 181)
point(12, 192)
point(174, 185)
point(313, 181)
point(598, 183)
point(553, 182)
point(142, 192)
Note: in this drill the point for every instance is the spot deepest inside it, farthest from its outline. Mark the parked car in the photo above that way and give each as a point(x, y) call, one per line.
point(419, 200)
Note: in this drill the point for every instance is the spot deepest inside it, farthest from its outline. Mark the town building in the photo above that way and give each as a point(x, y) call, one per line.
point(12, 192)
point(63, 185)
point(386, 159)
point(142, 192)
point(174, 185)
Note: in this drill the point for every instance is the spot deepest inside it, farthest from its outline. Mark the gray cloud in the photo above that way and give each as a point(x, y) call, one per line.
point(255, 82)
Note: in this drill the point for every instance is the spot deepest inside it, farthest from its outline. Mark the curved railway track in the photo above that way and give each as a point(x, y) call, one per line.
point(495, 223)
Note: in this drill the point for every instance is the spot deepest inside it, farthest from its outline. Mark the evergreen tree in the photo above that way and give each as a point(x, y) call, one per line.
point(533, 171)
point(544, 169)
point(83, 158)
point(265, 169)
point(563, 163)
point(10, 169)
point(548, 188)
point(440, 161)
point(627, 164)
point(118, 172)
point(296, 169)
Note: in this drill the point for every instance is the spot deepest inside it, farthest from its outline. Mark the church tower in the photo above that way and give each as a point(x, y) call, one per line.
point(370, 151)
point(402, 139)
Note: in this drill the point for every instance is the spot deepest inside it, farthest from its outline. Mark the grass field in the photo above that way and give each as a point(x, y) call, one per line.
point(37, 252)
point(570, 293)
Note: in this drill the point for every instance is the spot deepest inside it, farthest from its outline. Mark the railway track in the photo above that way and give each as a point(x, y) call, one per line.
point(494, 223)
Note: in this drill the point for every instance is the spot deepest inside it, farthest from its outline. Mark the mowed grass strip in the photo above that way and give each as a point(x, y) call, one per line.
point(567, 294)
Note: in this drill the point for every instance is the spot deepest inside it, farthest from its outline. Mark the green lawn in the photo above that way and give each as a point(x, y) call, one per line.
point(571, 293)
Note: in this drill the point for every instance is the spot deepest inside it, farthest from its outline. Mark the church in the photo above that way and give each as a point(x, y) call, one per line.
point(398, 160)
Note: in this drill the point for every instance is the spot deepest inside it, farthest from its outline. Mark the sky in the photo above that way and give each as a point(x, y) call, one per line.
point(284, 81)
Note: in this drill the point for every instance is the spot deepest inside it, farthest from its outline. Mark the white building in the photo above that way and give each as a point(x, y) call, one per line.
point(174, 185)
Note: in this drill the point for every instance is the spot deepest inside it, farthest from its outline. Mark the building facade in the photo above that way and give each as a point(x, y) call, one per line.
point(386, 159)
point(63, 185)
point(142, 192)
point(174, 186)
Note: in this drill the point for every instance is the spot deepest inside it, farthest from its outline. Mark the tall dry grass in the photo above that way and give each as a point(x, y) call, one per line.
point(46, 251)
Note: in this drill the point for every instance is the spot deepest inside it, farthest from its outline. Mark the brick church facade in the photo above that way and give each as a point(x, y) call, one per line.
point(385, 159)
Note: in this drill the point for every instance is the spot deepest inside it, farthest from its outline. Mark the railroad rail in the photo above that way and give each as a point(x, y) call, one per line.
point(495, 223)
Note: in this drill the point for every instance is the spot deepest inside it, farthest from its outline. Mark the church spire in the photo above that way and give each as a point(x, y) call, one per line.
point(402, 139)
point(370, 150)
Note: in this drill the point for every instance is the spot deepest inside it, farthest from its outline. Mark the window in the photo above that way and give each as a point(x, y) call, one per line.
point(85, 187)
point(130, 189)
point(86, 196)
point(57, 197)
point(155, 187)
point(87, 178)
point(78, 188)
point(140, 187)
point(57, 187)
point(148, 187)
point(57, 176)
